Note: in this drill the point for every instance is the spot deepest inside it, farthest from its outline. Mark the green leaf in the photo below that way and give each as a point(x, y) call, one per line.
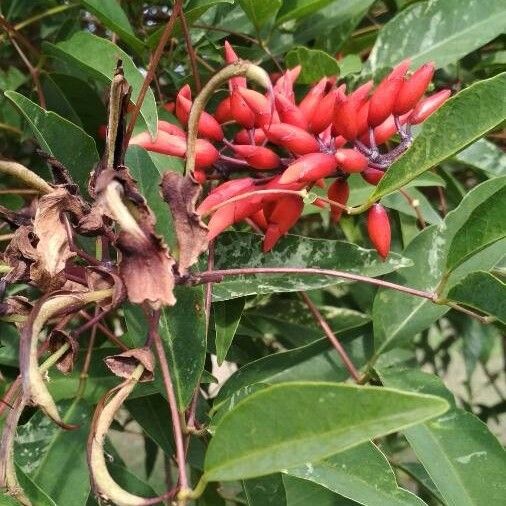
point(148, 178)
point(183, 332)
point(296, 9)
point(98, 57)
point(317, 361)
point(481, 291)
point(302, 492)
point(129, 481)
point(361, 473)
point(484, 155)
point(315, 64)
point(260, 11)
point(32, 490)
point(112, 16)
point(236, 249)
point(265, 491)
point(42, 450)
point(250, 441)
point(153, 415)
point(484, 226)
point(461, 120)
point(430, 249)
point(59, 137)
point(227, 316)
point(442, 31)
point(456, 449)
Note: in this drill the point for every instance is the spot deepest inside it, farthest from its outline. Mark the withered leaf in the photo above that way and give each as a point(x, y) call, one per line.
point(57, 339)
point(15, 306)
point(181, 194)
point(123, 365)
point(20, 254)
point(99, 278)
point(146, 265)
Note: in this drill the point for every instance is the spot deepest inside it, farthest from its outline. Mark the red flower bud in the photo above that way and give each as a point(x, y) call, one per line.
point(257, 156)
point(259, 220)
point(345, 118)
point(292, 138)
point(351, 160)
point(205, 153)
point(413, 89)
point(243, 137)
point(308, 104)
point(282, 218)
point(359, 96)
point(240, 110)
point(382, 101)
point(231, 57)
point(170, 106)
point(428, 106)
point(226, 191)
point(378, 228)
point(223, 112)
point(284, 84)
point(289, 112)
point(259, 104)
point(363, 119)
point(386, 130)
point(372, 176)
point(339, 191)
point(170, 128)
point(323, 113)
point(309, 167)
point(400, 69)
point(208, 127)
point(232, 213)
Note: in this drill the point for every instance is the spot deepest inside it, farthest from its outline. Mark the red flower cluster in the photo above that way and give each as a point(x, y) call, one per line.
point(287, 147)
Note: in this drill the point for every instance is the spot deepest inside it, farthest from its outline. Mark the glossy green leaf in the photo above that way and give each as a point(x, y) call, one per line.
point(260, 11)
point(57, 102)
point(9, 345)
point(98, 57)
point(314, 362)
point(130, 481)
point(227, 315)
point(148, 178)
point(456, 449)
point(481, 291)
point(112, 15)
point(59, 137)
point(484, 226)
point(430, 248)
point(32, 490)
point(265, 491)
point(484, 155)
point(314, 62)
point(399, 202)
point(418, 473)
point(295, 9)
point(442, 31)
point(42, 450)
point(182, 329)
point(252, 440)
point(461, 120)
point(361, 473)
point(235, 249)
point(302, 492)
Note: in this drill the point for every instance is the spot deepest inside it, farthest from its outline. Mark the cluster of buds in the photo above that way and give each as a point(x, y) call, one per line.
point(286, 147)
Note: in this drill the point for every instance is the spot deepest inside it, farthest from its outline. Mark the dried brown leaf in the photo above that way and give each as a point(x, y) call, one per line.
point(20, 254)
point(181, 194)
point(124, 364)
point(99, 278)
point(58, 338)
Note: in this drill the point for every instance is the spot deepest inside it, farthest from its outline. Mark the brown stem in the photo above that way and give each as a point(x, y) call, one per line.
point(152, 66)
point(191, 51)
point(106, 331)
point(442, 201)
point(12, 32)
point(154, 320)
point(331, 336)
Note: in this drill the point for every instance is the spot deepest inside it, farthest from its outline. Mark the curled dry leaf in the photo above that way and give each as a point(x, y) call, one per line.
point(34, 389)
point(20, 254)
point(124, 364)
point(99, 278)
point(53, 248)
point(57, 339)
point(104, 485)
point(8, 478)
point(146, 266)
point(181, 194)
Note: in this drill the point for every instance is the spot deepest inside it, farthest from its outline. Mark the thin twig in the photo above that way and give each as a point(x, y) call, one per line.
point(191, 51)
point(415, 206)
point(154, 320)
point(331, 337)
point(152, 67)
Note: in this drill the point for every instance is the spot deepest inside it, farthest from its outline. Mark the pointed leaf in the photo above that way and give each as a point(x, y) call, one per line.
point(227, 316)
point(456, 449)
point(260, 11)
point(270, 431)
point(484, 155)
point(315, 64)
